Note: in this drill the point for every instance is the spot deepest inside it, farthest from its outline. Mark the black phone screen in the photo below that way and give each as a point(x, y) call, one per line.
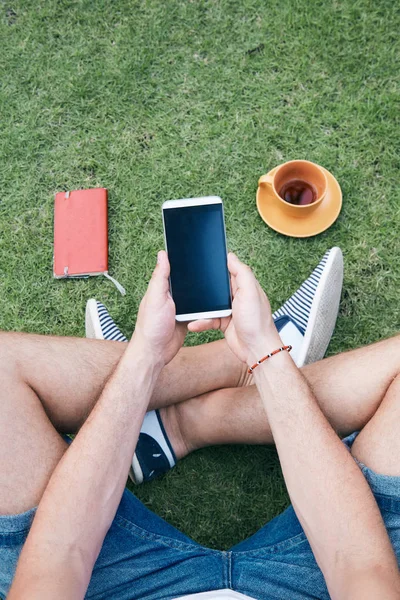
point(196, 246)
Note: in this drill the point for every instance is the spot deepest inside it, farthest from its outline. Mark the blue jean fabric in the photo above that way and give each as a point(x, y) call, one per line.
point(145, 557)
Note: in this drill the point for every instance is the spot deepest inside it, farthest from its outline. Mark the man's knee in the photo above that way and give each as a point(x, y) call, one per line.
point(378, 444)
point(9, 360)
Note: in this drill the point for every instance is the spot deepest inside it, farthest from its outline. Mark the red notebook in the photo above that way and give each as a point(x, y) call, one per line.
point(80, 234)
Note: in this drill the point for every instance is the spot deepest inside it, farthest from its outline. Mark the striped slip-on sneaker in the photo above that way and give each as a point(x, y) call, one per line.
point(154, 453)
point(99, 325)
point(315, 306)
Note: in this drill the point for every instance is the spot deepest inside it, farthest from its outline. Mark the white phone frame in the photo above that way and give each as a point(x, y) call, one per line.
point(184, 202)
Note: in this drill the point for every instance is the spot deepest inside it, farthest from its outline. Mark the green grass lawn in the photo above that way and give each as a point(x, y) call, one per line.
point(163, 99)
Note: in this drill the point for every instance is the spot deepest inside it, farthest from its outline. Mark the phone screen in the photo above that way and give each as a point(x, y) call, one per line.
point(196, 246)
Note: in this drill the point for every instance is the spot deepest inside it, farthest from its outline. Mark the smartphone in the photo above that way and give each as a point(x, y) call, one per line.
point(195, 241)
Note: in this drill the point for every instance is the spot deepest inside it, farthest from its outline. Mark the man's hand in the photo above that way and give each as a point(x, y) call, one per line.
point(250, 331)
point(156, 328)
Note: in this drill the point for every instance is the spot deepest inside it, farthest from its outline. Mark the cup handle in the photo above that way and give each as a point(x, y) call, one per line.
point(265, 181)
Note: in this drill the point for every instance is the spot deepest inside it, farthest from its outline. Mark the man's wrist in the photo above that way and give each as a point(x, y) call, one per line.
point(138, 349)
point(263, 345)
point(275, 366)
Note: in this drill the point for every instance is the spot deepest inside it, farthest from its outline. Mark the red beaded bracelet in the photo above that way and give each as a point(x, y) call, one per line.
point(251, 369)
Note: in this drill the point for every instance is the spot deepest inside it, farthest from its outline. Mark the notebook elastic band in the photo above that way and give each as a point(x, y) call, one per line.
point(119, 287)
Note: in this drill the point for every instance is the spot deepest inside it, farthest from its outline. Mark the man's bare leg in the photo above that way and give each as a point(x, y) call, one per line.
point(378, 445)
point(48, 383)
point(68, 374)
point(349, 388)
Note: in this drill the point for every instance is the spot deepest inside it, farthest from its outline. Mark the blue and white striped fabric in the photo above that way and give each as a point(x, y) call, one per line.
point(298, 307)
point(108, 327)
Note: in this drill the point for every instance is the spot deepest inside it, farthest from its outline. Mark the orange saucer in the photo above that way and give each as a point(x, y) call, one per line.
point(323, 217)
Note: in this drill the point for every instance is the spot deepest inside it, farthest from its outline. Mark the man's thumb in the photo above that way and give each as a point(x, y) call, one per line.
point(159, 282)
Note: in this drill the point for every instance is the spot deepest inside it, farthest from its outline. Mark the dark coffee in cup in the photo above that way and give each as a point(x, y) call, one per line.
point(298, 192)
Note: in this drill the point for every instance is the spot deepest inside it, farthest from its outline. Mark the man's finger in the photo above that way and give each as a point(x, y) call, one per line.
point(242, 273)
point(224, 323)
point(159, 282)
point(204, 325)
point(233, 285)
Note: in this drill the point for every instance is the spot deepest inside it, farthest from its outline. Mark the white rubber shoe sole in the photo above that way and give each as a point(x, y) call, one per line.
point(135, 472)
point(324, 310)
point(92, 321)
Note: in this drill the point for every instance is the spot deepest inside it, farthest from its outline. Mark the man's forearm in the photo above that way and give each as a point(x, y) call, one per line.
point(83, 494)
point(329, 493)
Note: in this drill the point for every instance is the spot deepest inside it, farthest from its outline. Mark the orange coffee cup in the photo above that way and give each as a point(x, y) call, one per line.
point(295, 170)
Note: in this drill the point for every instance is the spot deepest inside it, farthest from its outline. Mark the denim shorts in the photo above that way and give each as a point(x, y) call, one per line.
point(145, 557)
